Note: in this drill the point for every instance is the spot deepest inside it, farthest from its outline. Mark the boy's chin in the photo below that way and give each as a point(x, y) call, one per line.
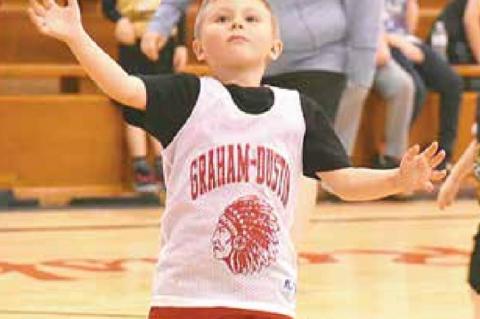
point(242, 61)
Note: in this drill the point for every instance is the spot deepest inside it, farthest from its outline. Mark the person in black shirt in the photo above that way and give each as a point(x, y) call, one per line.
point(427, 68)
point(462, 23)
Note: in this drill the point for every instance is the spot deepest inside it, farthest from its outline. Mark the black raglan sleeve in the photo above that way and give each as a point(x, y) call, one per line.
point(322, 149)
point(170, 101)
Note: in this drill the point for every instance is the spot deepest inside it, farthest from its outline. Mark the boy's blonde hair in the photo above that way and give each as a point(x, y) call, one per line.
point(203, 8)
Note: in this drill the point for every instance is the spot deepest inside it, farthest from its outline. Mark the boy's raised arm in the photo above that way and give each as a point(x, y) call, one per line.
point(64, 24)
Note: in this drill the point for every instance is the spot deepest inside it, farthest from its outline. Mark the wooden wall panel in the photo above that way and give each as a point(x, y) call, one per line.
point(56, 141)
point(21, 42)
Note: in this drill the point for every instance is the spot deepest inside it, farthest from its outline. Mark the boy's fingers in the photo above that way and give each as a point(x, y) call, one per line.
point(428, 186)
point(72, 3)
point(37, 8)
point(447, 202)
point(49, 3)
point(412, 152)
point(37, 21)
point(438, 175)
point(442, 204)
point(34, 17)
point(437, 159)
point(431, 150)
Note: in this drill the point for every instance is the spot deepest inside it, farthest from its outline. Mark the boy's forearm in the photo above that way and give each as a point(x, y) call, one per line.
point(362, 184)
point(106, 73)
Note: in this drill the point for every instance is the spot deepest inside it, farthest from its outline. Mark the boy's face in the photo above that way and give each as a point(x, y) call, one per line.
point(237, 33)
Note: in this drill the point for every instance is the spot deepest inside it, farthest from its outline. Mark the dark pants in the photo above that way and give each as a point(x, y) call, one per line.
point(133, 61)
point(436, 74)
point(324, 87)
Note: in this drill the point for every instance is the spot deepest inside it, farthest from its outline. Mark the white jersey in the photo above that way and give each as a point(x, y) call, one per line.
point(232, 181)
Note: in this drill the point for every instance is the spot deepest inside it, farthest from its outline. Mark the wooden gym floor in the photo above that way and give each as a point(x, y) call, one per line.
point(363, 261)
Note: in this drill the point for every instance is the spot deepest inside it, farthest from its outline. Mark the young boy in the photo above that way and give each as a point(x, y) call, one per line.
point(469, 162)
point(233, 153)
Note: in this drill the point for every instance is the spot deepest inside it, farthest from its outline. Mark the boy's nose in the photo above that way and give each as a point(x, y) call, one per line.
point(237, 25)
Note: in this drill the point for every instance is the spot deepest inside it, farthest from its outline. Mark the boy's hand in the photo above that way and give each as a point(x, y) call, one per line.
point(125, 31)
point(63, 23)
point(448, 192)
point(417, 170)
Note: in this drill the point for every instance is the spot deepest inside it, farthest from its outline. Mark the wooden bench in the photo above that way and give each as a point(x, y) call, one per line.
point(72, 77)
point(41, 70)
point(57, 147)
point(50, 70)
point(22, 43)
point(468, 70)
point(63, 146)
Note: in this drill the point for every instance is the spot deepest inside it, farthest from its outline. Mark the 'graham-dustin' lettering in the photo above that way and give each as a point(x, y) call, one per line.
point(240, 163)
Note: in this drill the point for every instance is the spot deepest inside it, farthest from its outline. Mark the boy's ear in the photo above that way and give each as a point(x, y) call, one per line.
point(198, 50)
point(276, 50)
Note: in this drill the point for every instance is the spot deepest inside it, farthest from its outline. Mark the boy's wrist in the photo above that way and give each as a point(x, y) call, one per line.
point(76, 37)
point(398, 182)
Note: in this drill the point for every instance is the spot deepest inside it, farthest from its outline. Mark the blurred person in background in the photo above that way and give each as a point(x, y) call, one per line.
point(131, 18)
point(396, 87)
point(327, 43)
point(462, 24)
point(427, 68)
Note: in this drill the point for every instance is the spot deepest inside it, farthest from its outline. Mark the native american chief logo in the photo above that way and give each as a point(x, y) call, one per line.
point(245, 237)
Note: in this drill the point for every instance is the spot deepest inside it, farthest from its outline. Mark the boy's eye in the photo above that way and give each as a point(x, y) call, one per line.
point(252, 19)
point(221, 19)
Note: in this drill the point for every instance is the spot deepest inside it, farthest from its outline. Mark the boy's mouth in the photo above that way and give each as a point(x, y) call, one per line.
point(237, 38)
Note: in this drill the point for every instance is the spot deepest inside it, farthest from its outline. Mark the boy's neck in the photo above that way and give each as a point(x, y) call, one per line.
point(242, 77)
